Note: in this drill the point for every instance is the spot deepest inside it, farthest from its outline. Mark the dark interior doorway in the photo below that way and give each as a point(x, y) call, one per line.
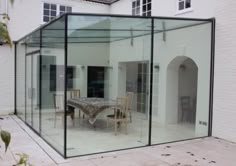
point(96, 77)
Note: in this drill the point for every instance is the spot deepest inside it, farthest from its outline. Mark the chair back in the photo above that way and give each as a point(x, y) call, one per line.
point(59, 102)
point(75, 93)
point(130, 98)
point(185, 103)
point(121, 108)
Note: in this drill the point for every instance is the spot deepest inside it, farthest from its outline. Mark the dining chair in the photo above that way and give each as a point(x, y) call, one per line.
point(120, 114)
point(130, 98)
point(185, 107)
point(74, 93)
point(59, 109)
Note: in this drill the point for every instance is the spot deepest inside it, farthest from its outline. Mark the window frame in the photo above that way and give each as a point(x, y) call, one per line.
point(136, 7)
point(141, 6)
point(58, 11)
point(185, 10)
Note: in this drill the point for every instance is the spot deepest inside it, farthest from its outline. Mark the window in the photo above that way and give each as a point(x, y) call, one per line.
point(147, 6)
point(184, 4)
point(145, 10)
point(136, 8)
point(50, 11)
point(65, 9)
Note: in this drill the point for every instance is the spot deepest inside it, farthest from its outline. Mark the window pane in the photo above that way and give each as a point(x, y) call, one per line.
point(53, 13)
point(137, 11)
point(144, 8)
point(133, 4)
point(149, 13)
point(181, 5)
point(62, 8)
point(46, 6)
point(149, 1)
point(144, 1)
point(188, 4)
point(53, 7)
point(46, 12)
point(149, 6)
point(69, 9)
point(138, 2)
point(133, 12)
point(45, 18)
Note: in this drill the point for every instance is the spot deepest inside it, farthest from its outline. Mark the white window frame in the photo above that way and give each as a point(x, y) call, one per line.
point(147, 11)
point(185, 10)
point(140, 8)
point(135, 8)
point(57, 9)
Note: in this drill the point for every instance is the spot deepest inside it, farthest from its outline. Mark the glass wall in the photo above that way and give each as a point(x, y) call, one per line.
point(85, 82)
point(182, 60)
point(108, 59)
point(20, 80)
point(53, 84)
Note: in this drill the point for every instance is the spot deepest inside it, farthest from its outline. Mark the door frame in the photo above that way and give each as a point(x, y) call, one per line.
point(30, 54)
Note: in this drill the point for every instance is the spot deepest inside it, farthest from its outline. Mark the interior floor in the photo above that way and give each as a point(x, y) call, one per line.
point(84, 138)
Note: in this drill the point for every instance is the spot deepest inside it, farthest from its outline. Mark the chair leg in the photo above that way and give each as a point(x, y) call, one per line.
point(130, 116)
point(126, 130)
point(55, 120)
point(63, 121)
point(73, 119)
point(115, 128)
point(107, 122)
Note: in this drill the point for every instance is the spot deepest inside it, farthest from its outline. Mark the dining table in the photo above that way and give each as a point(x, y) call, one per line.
point(91, 107)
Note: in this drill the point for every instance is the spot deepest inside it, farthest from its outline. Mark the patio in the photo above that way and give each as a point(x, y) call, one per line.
point(199, 152)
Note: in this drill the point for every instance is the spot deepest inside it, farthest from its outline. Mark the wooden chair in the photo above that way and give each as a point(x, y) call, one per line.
point(120, 114)
point(130, 98)
point(186, 107)
point(59, 109)
point(75, 93)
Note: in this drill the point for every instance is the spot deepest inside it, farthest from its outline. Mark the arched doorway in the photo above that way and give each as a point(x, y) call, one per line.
point(181, 90)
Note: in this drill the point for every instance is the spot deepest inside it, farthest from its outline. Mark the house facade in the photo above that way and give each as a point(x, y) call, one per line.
point(27, 15)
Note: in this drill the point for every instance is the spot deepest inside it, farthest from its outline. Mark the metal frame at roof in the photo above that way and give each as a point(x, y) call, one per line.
point(105, 2)
point(152, 32)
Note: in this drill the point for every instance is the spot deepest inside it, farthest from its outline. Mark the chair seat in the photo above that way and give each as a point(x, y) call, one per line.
point(68, 112)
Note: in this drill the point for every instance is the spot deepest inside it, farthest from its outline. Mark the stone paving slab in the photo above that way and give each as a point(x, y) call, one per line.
point(198, 152)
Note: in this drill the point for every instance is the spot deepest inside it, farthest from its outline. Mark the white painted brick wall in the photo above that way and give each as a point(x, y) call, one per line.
point(224, 118)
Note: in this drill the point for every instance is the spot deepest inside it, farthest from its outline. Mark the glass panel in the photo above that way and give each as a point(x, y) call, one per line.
point(108, 58)
point(20, 80)
point(182, 74)
point(52, 99)
point(28, 91)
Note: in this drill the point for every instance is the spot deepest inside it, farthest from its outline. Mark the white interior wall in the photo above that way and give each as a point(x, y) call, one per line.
point(180, 43)
point(84, 55)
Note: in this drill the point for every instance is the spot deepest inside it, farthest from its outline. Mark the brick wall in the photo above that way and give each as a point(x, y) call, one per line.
point(224, 115)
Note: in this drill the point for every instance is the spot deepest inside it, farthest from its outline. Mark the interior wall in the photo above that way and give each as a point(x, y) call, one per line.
point(83, 55)
point(195, 43)
point(123, 52)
